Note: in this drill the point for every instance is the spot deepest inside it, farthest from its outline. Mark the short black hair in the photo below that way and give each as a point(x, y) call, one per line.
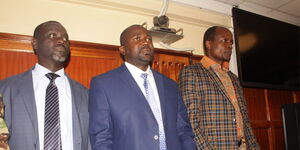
point(209, 35)
point(38, 28)
point(125, 32)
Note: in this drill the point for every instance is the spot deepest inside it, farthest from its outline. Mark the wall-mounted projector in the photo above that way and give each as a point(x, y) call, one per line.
point(162, 34)
point(161, 23)
point(163, 29)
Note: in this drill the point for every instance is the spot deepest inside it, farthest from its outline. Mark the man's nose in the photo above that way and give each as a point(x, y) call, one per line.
point(61, 40)
point(229, 45)
point(145, 42)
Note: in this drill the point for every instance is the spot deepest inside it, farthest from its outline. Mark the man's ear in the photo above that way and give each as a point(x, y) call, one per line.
point(122, 50)
point(34, 44)
point(208, 45)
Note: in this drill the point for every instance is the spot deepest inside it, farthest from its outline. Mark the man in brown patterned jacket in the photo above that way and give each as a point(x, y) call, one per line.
point(214, 98)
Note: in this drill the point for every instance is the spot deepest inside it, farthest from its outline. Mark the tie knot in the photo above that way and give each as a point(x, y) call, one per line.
point(52, 76)
point(144, 76)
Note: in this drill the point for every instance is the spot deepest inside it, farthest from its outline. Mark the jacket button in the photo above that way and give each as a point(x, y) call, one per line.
point(155, 137)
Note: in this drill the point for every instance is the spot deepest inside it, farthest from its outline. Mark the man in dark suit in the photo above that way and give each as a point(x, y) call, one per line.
point(134, 107)
point(214, 97)
point(44, 107)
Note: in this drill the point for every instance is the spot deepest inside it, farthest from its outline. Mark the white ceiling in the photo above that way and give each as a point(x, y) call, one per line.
point(284, 10)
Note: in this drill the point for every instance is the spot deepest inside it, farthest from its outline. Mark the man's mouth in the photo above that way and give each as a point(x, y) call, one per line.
point(229, 51)
point(60, 48)
point(146, 49)
point(147, 52)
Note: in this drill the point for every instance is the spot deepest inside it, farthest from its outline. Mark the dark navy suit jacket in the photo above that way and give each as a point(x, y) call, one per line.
point(121, 119)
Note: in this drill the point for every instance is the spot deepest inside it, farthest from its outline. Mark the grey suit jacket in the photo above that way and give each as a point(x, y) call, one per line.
point(21, 113)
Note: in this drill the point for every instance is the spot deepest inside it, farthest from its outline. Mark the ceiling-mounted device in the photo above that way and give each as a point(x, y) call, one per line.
point(162, 34)
point(161, 23)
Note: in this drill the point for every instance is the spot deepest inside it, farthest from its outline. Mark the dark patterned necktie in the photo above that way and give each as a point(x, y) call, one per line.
point(52, 138)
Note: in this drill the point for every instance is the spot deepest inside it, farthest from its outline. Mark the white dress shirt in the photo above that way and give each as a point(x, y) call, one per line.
point(40, 83)
point(136, 73)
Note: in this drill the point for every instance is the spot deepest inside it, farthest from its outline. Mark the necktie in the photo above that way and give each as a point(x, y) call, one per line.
point(52, 139)
point(155, 110)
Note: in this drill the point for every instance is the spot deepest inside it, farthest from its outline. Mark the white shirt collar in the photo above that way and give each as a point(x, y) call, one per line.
point(137, 71)
point(41, 70)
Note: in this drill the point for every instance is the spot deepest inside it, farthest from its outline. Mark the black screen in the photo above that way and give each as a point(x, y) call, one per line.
point(267, 51)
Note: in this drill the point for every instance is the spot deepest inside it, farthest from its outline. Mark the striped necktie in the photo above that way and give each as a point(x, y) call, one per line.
point(52, 138)
point(155, 110)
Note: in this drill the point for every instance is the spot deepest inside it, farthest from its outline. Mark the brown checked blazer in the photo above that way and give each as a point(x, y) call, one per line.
point(210, 111)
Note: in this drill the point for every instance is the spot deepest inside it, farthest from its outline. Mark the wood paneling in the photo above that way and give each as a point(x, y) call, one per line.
point(256, 99)
point(18, 62)
point(264, 106)
point(262, 137)
point(88, 67)
point(90, 59)
point(276, 98)
point(296, 96)
point(279, 139)
point(169, 63)
point(87, 59)
point(260, 121)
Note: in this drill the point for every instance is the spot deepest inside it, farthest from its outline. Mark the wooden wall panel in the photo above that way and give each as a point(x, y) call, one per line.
point(170, 63)
point(262, 137)
point(84, 68)
point(279, 139)
point(16, 55)
point(260, 121)
point(90, 59)
point(87, 59)
point(296, 96)
point(256, 101)
point(276, 98)
point(12, 63)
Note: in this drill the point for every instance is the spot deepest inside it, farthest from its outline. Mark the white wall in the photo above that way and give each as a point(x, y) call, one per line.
point(102, 21)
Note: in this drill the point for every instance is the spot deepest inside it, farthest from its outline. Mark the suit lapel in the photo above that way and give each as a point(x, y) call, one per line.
point(216, 81)
point(239, 93)
point(127, 78)
point(160, 89)
point(75, 112)
point(27, 94)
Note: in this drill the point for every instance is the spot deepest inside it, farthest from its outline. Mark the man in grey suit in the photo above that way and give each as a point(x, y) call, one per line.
point(27, 102)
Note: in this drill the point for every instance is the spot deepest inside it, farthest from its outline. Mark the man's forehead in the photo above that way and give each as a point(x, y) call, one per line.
point(51, 26)
point(136, 31)
point(222, 30)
